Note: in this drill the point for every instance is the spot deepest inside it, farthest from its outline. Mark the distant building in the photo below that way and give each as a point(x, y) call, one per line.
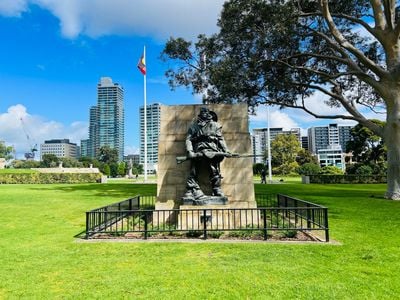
point(304, 142)
point(321, 137)
point(60, 148)
point(93, 141)
point(329, 143)
point(153, 120)
point(260, 140)
point(85, 148)
point(332, 156)
point(135, 158)
point(106, 121)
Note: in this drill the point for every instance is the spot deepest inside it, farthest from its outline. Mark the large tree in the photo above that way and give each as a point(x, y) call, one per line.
point(6, 152)
point(282, 52)
point(284, 150)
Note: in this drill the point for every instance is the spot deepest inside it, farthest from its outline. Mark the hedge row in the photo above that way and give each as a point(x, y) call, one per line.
point(38, 178)
point(347, 179)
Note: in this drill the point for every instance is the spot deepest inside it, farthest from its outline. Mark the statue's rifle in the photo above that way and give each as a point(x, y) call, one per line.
point(213, 154)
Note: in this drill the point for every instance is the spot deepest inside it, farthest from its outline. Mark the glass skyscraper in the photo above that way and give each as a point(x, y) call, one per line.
point(106, 124)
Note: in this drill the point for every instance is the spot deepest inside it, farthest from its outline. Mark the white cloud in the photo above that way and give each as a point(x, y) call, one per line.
point(131, 150)
point(277, 119)
point(158, 18)
point(12, 8)
point(37, 128)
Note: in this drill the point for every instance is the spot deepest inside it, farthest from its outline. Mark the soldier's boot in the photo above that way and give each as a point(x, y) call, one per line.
point(216, 186)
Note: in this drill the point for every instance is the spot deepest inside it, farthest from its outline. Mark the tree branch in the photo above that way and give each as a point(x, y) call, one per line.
point(378, 14)
point(322, 56)
point(389, 8)
point(346, 44)
point(318, 72)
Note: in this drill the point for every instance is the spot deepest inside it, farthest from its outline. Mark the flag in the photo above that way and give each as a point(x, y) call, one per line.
point(142, 65)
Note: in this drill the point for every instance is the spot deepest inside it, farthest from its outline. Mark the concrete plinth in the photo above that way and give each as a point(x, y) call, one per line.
point(217, 217)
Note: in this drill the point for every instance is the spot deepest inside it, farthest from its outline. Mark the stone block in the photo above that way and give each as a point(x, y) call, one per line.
point(165, 193)
point(167, 113)
point(167, 162)
point(175, 177)
point(176, 148)
point(172, 177)
point(186, 112)
point(244, 192)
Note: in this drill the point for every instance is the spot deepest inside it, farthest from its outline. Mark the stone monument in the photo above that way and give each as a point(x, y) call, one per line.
point(210, 177)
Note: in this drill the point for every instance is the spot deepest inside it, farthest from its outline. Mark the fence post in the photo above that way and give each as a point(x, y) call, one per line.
point(265, 224)
point(308, 216)
point(326, 225)
point(87, 225)
point(286, 205)
point(205, 224)
point(145, 225)
point(130, 203)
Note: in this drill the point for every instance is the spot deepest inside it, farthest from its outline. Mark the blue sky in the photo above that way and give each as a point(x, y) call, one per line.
point(54, 52)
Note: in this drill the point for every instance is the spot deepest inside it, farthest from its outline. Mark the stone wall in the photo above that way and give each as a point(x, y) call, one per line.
point(237, 182)
point(67, 170)
point(2, 163)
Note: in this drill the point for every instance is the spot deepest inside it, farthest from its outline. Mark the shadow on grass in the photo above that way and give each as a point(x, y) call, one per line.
point(96, 189)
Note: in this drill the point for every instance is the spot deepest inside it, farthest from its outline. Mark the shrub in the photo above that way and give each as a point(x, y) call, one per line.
point(44, 178)
point(364, 170)
point(331, 170)
point(309, 169)
point(290, 233)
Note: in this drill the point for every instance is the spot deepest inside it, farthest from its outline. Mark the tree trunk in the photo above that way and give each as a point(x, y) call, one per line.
point(392, 141)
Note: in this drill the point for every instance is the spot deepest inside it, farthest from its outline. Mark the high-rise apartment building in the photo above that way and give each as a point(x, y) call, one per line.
point(93, 142)
point(84, 148)
point(60, 148)
point(304, 142)
point(260, 140)
point(106, 123)
point(153, 117)
point(329, 143)
point(321, 137)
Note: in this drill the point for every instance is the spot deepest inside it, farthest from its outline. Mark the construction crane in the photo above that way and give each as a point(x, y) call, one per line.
point(32, 148)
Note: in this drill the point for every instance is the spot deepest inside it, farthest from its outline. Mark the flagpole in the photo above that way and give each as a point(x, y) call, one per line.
point(269, 149)
point(145, 118)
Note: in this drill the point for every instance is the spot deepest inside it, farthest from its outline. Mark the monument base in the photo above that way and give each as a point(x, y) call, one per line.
point(207, 200)
point(216, 217)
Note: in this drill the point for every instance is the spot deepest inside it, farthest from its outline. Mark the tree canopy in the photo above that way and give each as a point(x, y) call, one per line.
point(6, 152)
point(284, 149)
point(49, 161)
point(107, 155)
point(366, 146)
point(282, 52)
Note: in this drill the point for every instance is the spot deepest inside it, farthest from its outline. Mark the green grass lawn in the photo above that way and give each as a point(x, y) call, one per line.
point(17, 171)
point(41, 259)
point(279, 179)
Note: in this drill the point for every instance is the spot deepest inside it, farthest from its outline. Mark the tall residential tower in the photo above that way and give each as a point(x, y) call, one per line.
point(153, 130)
point(106, 124)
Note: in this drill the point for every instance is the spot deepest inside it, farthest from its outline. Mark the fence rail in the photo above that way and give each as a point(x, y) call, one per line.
point(281, 212)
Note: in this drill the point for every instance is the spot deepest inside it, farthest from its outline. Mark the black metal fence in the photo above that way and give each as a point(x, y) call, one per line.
point(280, 212)
point(102, 218)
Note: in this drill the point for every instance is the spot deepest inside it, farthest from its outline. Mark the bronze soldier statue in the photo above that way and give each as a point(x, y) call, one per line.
point(205, 145)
